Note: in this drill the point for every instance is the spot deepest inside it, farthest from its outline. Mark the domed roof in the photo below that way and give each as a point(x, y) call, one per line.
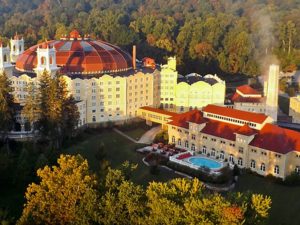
point(78, 55)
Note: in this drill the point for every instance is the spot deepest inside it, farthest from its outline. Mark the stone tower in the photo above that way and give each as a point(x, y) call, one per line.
point(272, 92)
point(5, 64)
point(46, 60)
point(16, 47)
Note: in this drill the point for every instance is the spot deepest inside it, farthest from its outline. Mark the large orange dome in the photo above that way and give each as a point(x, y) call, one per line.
point(76, 55)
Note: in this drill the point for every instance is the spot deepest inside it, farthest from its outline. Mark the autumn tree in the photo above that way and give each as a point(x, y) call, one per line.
point(7, 112)
point(66, 194)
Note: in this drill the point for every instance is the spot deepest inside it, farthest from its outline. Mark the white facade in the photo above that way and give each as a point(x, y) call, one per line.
point(272, 92)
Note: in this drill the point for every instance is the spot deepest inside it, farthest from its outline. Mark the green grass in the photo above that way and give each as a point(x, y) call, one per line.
point(136, 134)
point(285, 199)
point(117, 149)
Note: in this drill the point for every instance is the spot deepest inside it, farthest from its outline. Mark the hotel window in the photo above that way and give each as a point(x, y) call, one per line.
point(77, 91)
point(297, 169)
point(240, 161)
point(173, 139)
point(222, 155)
point(117, 89)
point(276, 169)
point(186, 144)
point(93, 90)
point(93, 84)
point(252, 164)
point(193, 137)
point(231, 158)
point(77, 84)
point(213, 152)
point(193, 148)
point(93, 97)
point(179, 142)
point(241, 149)
point(263, 167)
point(117, 82)
point(94, 118)
point(204, 149)
point(109, 82)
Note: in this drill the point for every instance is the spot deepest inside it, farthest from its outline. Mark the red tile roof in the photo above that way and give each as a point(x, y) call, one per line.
point(246, 130)
point(277, 139)
point(238, 98)
point(181, 120)
point(161, 111)
point(270, 137)
point(221, 129)
point(236, 114)
point(247, 90)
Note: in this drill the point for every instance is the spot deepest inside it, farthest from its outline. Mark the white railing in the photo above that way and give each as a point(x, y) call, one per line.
point(186, 163)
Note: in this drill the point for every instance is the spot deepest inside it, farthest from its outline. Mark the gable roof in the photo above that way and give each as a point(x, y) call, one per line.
point(247, 90)
point(236, 114)
point(182, 120)
point(246, 130)
point(277, 139)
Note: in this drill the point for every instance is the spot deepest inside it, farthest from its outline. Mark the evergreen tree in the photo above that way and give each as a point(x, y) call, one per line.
point(7, 112)
point(31, 109)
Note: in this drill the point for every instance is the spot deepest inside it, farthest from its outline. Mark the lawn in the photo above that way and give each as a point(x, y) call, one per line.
point(117, 149)
point(285, 199)
point(136, 134)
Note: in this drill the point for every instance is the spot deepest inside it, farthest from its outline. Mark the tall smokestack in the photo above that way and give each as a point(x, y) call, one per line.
point(272, 92)
point(134, 57)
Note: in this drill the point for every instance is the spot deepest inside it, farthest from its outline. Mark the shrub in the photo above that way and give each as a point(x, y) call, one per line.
point(202, 174)
point(292, 179)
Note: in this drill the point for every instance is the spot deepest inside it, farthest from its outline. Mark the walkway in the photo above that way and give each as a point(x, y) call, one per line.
point(147, 138)
point(124, 135)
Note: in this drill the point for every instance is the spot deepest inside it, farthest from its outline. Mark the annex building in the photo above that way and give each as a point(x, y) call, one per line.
point(247, 139)
point(108, 83)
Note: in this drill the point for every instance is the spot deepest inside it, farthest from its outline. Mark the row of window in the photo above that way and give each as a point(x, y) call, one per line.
point(231, 120)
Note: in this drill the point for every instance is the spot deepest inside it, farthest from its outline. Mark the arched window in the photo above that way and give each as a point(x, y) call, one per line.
point(5, 58)
point(276, 169)
point(213, 152)
point(186, 144)
point(43, 60)
point(193, 148)
point(252, 164)
point(204, 149)
point(297, 169)
point(14, 48)
point(240, 161)
point(51, 60)
point(166, 105)
point(179, 141)
point(222, 155)
point(94, 118)
point(231, 158)
point(181, 108)
point(263, 167)
point(173, 139)
point(20, 48)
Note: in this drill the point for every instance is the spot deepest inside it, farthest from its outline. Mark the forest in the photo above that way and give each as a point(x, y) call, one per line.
point(207, 36)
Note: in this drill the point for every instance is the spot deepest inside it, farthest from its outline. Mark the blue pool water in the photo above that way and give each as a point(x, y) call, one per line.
point(210, 163)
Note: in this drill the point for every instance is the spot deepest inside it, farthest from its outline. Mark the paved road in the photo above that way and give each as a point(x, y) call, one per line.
point(149, 136)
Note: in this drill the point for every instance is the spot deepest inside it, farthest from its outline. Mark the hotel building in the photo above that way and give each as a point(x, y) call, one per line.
point(246, 139)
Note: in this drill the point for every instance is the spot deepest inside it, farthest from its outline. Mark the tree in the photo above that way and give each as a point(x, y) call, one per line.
point(31, 109)
point(7, 112)
point(66, 194)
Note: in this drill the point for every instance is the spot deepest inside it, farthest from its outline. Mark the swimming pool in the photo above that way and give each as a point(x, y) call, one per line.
point(200, 161)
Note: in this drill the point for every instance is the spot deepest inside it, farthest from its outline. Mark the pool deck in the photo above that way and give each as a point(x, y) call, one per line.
point(186, 162)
